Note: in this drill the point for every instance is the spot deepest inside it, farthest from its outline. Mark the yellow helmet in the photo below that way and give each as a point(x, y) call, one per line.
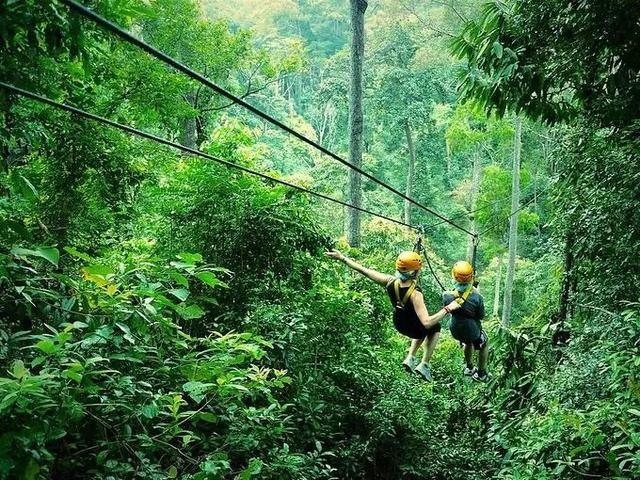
point(408, 262)
point(462, 272)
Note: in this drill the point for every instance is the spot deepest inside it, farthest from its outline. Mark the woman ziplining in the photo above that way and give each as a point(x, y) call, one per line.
point(410, 315)
point(411, 318)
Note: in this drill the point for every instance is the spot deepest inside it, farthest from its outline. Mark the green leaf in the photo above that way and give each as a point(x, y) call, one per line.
point(172, 472)
point(190, 258)
point(97, 269)
point(73, 375)
point(78, 254)
point(101, 457)
point(180, 293)
point(47, 346)
point(19, 370)
point(208, 417)
point(150, 411)
point(634, 411)
point(180, 279)
point(27, 188)
point(254, 468)
point(210, 279)
point(497, 49)
point(50, 254)
point(190, 312)
point(31, 471)
point(196, 390)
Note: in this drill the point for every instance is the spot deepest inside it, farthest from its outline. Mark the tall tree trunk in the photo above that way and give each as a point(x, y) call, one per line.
point(189, 134)
point(358, 7)
point(496, 292)
point(475, 189)
point(447, 177)
point(513, 225)
point(411, 169)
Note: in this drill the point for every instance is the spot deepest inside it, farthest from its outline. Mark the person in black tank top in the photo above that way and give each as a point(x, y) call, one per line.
point(410, 316)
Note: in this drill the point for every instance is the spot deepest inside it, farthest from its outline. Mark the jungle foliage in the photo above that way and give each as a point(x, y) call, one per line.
point(162, 316)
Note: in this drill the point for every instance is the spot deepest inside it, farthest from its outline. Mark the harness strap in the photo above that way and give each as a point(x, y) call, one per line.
point(462, 298)
point(396, 287)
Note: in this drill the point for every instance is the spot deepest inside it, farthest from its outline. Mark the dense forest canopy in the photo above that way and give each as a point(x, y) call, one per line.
point(165, 316)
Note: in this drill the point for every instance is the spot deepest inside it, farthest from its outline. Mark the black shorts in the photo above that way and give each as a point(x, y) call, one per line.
point(481, 341)
point(414, 329)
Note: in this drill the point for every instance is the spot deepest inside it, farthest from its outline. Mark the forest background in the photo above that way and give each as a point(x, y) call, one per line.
point(162, 316)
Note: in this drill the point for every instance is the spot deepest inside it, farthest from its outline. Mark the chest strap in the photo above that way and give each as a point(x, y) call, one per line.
point(462, 298)
point(401, 302)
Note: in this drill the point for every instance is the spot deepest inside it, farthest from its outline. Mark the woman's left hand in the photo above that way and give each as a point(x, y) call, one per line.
point(335, 254)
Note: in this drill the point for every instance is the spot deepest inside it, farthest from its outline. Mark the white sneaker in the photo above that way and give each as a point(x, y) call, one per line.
point(478, 378)
point(409, 363)
point(424, 371)
point(469, 372)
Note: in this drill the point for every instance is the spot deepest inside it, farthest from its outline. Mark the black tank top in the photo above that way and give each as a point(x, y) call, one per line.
point(406, 314)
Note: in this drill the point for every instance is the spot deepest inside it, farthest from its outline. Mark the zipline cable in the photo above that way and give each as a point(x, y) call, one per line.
point(126, 36)
point(419, 248)
point(465, 214)
point(149, 136)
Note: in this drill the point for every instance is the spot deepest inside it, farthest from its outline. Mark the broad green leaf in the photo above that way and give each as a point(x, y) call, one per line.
point(179, 279)
point(208, 417)
point(172, 472)
point(210, 279)
point(27, 188)
point(78, 254)
point(197, 390)
point(51, 254)
point(497, 49)
point(180, 293)
point(47, 346)
point(254, 468)
point(19, 370)
point(190, 258)
point(150, 410)
point(97, 269)
point(190, 312)
point(101, 457)
point(31, 471)
point(73, 375)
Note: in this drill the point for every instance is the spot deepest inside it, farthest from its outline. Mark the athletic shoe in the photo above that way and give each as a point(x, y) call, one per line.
point(409, 364)
point(469, 372)
point(480, 378)
point(423, 371)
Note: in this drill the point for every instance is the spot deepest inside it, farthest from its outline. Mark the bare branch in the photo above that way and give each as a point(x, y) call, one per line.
point(423, 22)
point(247, 93)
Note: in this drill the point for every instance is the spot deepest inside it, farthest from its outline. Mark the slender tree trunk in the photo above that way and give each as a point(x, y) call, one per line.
point(189, 134)
point(496, 292)
point(7, 125)
point(513, 225)
point(410, 171)
point(447, 147)
point(475, 189)
point(358, 7)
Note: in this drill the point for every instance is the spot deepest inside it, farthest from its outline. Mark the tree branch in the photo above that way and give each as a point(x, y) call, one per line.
point(423, 22)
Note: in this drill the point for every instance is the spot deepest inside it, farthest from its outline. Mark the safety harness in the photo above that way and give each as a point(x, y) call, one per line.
point(402, 302)
point(461, 298)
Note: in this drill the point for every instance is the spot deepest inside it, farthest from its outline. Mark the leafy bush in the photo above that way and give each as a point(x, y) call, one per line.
point(121, 390)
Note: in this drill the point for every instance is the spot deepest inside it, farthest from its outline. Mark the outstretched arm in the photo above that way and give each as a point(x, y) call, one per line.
point(417, 299)
point(379, 278)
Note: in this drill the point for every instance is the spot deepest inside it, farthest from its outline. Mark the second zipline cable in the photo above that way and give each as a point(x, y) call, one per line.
point(126, 36)
point(184, 148)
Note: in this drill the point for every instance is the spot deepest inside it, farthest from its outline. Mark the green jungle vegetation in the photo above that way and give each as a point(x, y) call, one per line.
point(163, 316)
